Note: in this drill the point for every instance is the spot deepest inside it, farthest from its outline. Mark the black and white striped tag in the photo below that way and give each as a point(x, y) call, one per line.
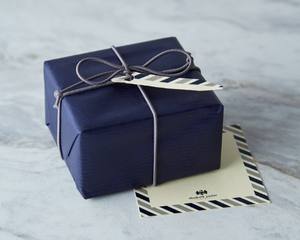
point(258, 193)
point(169, 82)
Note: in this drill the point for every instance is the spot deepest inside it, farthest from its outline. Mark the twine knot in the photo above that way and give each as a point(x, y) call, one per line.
point(58, 95)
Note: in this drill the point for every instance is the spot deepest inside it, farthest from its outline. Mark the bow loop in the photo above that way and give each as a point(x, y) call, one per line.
point(127, 70)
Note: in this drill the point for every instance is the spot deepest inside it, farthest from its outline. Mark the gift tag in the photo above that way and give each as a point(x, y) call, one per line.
point(168, 82)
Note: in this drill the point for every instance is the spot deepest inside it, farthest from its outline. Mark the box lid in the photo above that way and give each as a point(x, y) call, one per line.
point(119, 103)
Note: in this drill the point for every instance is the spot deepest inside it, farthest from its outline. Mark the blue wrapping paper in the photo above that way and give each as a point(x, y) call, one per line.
point(107, 133)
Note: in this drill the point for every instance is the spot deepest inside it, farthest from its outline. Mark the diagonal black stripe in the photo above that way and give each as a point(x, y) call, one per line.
point(142, 197)
point(170, 79)
point(194, 206)
point(140, 76)
point(243, 201)
point(255, 180)
point(219, 204)
point(197, 82)
point(172, 210)
point(245, 152)
point(146, 212)
point(236, 126)
point(250, 166)
point(261, 195)
point(239, 138)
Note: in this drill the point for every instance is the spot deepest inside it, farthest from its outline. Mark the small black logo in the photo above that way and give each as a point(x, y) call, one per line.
point(201, 192)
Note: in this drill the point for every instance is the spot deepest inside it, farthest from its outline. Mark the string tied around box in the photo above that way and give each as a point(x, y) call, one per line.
point(126, 70)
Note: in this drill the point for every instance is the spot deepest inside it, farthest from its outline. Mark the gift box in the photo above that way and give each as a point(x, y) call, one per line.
point(106, 134)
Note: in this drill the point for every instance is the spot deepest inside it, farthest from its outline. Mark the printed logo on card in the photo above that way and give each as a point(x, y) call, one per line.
point(202, 194)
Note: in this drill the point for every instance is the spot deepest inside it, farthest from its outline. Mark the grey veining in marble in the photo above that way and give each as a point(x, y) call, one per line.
point(250, 47)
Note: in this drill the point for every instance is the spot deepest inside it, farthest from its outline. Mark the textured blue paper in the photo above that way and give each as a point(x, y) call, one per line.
point(107, 133)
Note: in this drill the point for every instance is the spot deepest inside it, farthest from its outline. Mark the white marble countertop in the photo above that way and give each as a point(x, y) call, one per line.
point(250, 47)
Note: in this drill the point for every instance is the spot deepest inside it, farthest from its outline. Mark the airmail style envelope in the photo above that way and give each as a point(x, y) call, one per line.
point(236, 183)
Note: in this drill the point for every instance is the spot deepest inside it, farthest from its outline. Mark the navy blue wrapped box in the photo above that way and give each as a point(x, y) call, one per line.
point(107, 133)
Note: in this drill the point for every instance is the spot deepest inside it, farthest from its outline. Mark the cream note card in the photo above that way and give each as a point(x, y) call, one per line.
point(236, 183)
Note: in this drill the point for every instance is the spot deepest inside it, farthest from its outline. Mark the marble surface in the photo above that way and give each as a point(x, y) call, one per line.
point(250, 47)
